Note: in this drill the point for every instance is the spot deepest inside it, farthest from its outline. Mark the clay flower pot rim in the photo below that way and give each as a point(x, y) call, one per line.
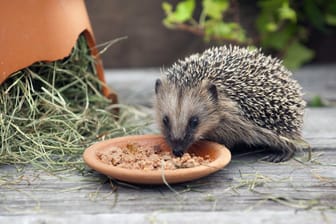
point(219, 154)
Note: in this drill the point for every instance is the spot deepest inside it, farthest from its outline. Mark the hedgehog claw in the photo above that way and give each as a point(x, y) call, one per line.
point(277, 157)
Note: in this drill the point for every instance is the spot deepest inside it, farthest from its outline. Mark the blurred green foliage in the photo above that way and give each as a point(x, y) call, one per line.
point(317, 101)
point(283, 26)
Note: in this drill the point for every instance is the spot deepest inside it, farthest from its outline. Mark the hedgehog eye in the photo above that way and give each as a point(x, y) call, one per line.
point(165, 121)
point(193, 122)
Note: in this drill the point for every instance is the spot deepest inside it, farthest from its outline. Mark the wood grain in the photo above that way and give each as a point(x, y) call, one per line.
point(247, 189)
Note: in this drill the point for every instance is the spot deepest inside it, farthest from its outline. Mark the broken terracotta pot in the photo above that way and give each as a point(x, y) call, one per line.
point(32, 31)
point(219, 155)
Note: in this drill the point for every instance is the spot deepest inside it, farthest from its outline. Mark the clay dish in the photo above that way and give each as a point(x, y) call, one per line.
point(219, 155)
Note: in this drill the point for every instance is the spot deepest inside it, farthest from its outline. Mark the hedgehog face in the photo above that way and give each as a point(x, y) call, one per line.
point(185, 114)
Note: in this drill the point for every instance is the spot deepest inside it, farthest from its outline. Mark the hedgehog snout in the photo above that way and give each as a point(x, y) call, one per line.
point(178, 146)
point(178, 152)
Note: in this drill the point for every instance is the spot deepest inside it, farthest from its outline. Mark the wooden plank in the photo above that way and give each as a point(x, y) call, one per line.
point(319, 128)
point(318, 80)
point(135, 86)
point(254, 217)
point(245, 185)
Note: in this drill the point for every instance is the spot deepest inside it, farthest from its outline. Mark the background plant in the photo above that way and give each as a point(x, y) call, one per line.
point(283, 26)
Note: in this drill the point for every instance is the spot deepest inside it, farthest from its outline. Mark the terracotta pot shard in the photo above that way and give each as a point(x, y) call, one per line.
point(32, 31)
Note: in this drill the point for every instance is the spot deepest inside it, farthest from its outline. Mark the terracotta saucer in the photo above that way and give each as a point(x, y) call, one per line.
point(219, 155)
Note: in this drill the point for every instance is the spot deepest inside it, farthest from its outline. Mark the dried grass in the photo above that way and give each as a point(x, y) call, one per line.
point(51, 111)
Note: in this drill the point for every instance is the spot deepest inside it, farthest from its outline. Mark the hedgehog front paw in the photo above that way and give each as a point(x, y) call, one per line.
point(279, 156)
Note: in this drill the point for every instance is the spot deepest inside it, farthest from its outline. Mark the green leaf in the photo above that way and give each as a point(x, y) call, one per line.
point(273, 13)
point(278, 40)
point(184, 11)
point(262, 21)
point(317, 101)
point(271, 27)
point(215, 8)
point(220, 30)
point(330, 13)
point(314, 14)
point(285, 12)
point(330, 19)
point(296, 55)
point(167, 23)
point(167, 8)
point(270, 5)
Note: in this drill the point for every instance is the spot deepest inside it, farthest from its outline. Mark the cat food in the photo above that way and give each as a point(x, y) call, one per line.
point(134, 156)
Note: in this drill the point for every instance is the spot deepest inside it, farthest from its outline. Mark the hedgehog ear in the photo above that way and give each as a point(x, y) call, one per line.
point(158, 83)
point(212, 89)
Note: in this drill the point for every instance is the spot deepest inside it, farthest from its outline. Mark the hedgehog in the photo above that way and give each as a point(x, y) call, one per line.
point(234, 96)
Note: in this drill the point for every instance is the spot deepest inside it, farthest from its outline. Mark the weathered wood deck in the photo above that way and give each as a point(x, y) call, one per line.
point(247, 190)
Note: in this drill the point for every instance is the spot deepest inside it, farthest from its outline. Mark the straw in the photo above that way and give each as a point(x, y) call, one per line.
point(51, 111)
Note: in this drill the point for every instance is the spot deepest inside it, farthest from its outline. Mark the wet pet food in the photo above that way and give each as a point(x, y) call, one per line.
point(134, 156)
